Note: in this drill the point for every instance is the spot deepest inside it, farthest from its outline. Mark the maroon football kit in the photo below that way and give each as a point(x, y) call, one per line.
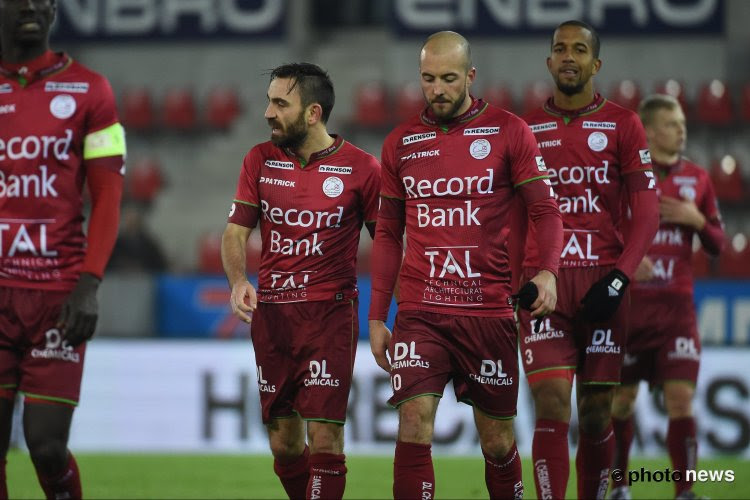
point(663, 343)
point(310, 215)
point(58, 130)
point(592, 155)
point(453, 184)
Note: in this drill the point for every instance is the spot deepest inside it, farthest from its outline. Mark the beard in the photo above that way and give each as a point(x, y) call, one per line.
point(444, 116)
point(293, 136)
point(570, 89)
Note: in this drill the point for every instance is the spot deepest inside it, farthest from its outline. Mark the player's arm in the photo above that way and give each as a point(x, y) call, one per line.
point(387, 253)
point(233, 256)
point(103, 162)
point(371, 195)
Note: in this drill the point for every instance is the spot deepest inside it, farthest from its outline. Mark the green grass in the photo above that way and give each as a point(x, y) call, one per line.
point(251, 476)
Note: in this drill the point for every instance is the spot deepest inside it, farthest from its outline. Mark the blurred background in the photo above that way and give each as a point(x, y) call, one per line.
point(191, 77)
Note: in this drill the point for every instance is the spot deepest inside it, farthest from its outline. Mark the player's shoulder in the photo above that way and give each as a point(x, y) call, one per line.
point(501, 116)
point(360, 159)
point(618, 114)
point(691, 168)
point(408, 131)
point(263, 151)
point(78, 71)
point(537, 115)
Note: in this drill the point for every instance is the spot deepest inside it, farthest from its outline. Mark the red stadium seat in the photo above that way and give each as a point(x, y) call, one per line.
point(714, 104)
point(535, 95)
point(500, 96)
point(137, 109)
point(144, 180)
point(746, 102)
point(727, 180)
point(627, 94)
point(222, 107)
point(409, 102)
point(676, 90)
point(371, 105)
point(179, 109)
point(734, 261)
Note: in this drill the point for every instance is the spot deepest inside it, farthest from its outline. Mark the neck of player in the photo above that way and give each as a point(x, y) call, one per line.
point(575, 101)
point(664, 157)
point(317, 140)
point(17, 53)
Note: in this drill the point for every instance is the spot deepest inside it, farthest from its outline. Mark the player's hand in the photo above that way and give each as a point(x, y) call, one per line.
point(645, 271)
point(80, 311)
point(683, 212)
point(380, 338)
point(601, 301)
point(546, 285)
point(244, 300)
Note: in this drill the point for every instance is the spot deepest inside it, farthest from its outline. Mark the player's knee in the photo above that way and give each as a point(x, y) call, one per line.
point(326, 438)
point(415, 424)
point(678, 400)
point(48, 454)
point(551, 401)
point(595, 413)
point(498, 444)
point(285, 446)
point(623, 403)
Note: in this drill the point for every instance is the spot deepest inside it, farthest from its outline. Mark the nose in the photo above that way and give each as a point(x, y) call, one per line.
point(270, 113)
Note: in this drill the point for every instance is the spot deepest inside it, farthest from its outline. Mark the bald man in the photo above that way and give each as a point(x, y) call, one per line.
point(449, 176)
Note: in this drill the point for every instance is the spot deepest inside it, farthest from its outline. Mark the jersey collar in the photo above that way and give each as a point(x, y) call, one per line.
point(569, 114)
point(28, 71)
point(664, 169)
point(338, 141)
point(477, 108)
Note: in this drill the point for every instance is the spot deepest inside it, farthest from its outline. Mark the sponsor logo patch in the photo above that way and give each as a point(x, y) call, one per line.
point(482, 131)
point(6, 88)
point(421, 154)
point(62, 106)
point(276, 182)
point(597, 141)
point(7, 108)
point(645, 155)
point(73, 87)
point(284, 165)
point(410, 139)
point(540, 165)
point(549, 144)
point(334, 169)
point(480, 149)
point(600, 125)
point(541, 127)
point(333, 187)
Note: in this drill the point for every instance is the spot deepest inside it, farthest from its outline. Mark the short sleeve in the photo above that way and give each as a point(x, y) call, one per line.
point(104, 137)
point(526, 162)
point(633, 154)
point(246, 203)
point(371, 189)
point(391, 186)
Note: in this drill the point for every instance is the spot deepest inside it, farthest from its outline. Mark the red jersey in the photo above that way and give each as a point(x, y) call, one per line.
point(310, 217)
point(457, 182)
point(53, 128)
point(588, 154)
point(672, 248)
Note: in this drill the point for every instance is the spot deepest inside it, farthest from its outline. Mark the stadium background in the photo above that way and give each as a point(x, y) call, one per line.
point(172, 371)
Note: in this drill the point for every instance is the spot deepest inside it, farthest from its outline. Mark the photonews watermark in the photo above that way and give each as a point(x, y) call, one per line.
point(668, 475)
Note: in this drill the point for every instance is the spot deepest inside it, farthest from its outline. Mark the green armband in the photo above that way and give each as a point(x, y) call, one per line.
point(108, 141)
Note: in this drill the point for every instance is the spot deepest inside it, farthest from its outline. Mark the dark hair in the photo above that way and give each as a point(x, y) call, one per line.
point(595, 44)
point(313, 82)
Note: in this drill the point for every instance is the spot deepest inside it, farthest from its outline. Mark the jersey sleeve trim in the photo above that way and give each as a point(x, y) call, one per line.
point(532, 179)
point(391, 197)
point(109, 141)
point(247, 203)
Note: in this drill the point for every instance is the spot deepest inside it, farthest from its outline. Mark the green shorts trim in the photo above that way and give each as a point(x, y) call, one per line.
point(51, 398)
point(469, 402)
point(414, 397)
point(324, 420)
point(551, 368)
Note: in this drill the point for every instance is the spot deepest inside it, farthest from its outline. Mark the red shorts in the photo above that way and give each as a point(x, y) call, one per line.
point(480, 355)
point(663, 343)
point(33, 357)
point(568, 344)
point(304, 353)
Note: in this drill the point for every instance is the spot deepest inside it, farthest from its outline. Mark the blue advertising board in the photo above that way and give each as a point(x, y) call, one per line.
point(198, 306)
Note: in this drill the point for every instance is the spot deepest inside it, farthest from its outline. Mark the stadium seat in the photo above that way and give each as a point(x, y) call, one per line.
point(727, 180)
point(734, 261)
point(179, 109)
point(714, 104)
point(371, 105)
point(627, 94)
point(144, 180)
point(137, 109)
point(676, 90)
point(409, 102)
point(500, 96)
point(222, 107)
point(746, 102)
point(535, 95)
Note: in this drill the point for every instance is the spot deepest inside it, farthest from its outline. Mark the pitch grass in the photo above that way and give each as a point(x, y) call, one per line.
point(250, 476)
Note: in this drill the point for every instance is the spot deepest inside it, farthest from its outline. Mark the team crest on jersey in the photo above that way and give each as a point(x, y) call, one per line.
point(482, 131)
point(6, 88)
point(645, 155)
point(597, 141)
point(335, 169)
point(73, 87)
point(284, 165)
point(62, 106)
point(480, 149)
point(411, 139)
point(333, 187)
point(542, 127)
point(687, 193)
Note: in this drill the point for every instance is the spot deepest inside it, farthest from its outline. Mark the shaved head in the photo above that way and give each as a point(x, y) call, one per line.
point(448, 43)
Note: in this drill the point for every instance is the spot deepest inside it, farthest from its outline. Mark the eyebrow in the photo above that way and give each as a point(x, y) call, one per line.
point(277, 100)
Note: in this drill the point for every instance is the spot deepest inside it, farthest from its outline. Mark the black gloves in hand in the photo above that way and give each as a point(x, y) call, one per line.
point(604, 296)
point(80, 312)
point(526, 295)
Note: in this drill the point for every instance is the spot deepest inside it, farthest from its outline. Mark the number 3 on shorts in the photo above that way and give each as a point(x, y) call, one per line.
point(529, 357)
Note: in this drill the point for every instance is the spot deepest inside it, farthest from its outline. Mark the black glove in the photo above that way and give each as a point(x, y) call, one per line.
point(525, 297)
point(80, 312)
point(604, 296)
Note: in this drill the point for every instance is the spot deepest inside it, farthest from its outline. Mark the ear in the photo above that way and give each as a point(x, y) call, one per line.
point(597, 66)
point(549, 64)
point(314, 113)
point(470, 76)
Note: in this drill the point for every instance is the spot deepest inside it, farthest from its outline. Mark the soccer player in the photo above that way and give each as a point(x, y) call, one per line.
point(311, 192)
point(663, 345)
point(58, 131)
point(596, 154)
point(449, 177)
